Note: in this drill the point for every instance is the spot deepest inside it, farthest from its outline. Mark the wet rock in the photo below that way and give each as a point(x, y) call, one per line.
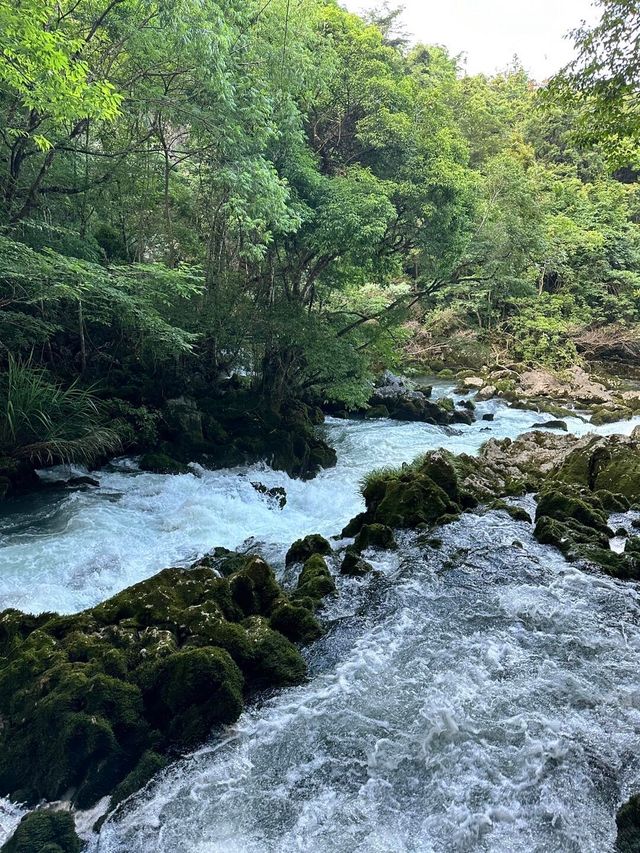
point(353, 564)
point(91, 703)
point(44, 831)
point(610, 414)
point(82, 482)
point(488, 417)
point(296, 622)
point(315, 580)
point(380, 411)
point(374, 536)
point(472, 383)
point(628, 825)
point(161, 463)
point(276, 495)
point(302, 549)
point(398, 398)
point(488, 392)
point(561, 425)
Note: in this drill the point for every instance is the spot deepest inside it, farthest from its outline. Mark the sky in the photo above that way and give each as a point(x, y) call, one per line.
point(490, 32)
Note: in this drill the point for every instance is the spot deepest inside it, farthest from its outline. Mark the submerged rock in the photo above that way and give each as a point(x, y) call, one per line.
point(91, 703)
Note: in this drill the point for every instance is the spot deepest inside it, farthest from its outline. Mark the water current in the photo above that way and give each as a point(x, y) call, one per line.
point(480, 696)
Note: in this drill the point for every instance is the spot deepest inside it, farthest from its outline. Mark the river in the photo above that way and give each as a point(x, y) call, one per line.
point(480, 696)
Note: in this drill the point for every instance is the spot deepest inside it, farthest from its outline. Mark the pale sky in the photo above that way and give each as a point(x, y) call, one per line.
point(490, 32)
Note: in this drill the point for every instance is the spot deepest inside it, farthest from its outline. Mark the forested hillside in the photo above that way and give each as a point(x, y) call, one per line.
point(294, 197)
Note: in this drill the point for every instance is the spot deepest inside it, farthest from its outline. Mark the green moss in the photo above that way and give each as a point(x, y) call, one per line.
point(618, 471)
point(254, 587)
point(161, 463)
point(189, 692)
point(83, 698)
point(354, 565)
point(611, 502)
point(276, 661)
point(556, 504)
point(374, 536)
point(604, 415)
point(44, 831)
point(150, 764)
point(302, 549)
point(517, 513)
point(315, 580)
point(295, 622)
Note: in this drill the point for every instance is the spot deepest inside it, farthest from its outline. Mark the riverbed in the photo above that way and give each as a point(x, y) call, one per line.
point(481, 695)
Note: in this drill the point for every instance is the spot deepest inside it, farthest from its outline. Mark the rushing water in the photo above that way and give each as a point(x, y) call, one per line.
point(478, 696)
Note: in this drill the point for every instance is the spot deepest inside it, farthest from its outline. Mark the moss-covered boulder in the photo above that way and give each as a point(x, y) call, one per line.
point(302, 549)
point(315, 580)
point(44, 831)
point(295, 622)
point(353, 564)
point(575, 522)
point(374, 536)
point(91, 703)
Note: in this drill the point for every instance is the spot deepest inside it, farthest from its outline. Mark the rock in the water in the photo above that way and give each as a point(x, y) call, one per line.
point(561, 425)
point(161, 463)
point(374, 536)
point(44, 831)
point(628, 824)
point(90, 702)
point(302, 549)
point(353, 564)
point(315, 581)
point(276, 495)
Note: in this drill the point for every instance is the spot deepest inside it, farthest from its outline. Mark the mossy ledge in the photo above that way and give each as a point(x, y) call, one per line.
point(94, 704)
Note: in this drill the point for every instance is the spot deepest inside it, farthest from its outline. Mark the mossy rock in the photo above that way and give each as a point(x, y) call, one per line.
point(374, 536)
point(149, 765)
point(564, 507)
point(517, 513)
point(353, 565)
point(84, 697)
point(611, 502)
point(276, 662)
point(380, 411)
point(161, 463)
point(296, 622)
point(605, 415)
point(408, 501)
point(44, 831)
point(315, 580)
point(302, 549)
point(617, 469)
point(189, 692)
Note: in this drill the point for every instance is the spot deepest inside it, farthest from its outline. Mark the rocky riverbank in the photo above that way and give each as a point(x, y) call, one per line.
point(605, 401)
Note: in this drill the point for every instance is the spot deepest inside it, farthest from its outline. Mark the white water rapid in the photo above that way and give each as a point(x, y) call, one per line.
point(480, 696)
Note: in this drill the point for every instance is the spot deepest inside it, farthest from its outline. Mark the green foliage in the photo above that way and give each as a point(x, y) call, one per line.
point(42, 422)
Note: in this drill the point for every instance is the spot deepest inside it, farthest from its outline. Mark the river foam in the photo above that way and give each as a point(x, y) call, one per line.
point(481, 696)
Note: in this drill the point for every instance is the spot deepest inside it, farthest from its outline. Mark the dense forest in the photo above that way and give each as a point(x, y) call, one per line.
point(278, 200)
